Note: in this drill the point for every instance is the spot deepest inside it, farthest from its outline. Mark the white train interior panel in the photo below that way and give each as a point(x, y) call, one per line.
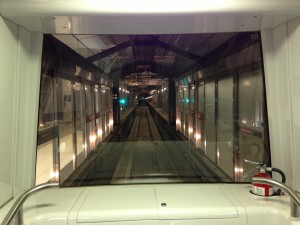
point(157, 124)
point(169, 112)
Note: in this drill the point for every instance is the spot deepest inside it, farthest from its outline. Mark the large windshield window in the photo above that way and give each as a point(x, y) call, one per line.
point(125, 109)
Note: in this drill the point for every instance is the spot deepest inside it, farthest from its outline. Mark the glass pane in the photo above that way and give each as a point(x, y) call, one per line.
point(46, 133)
point(250, 97)
point(108, 99)
point(79, 122)
point(200, 136)
point(218, 109)
point(44, 163)
point(97, 100)
point(104, 108)
point(210, 126)
point(98, 114)
point(201, 98)
point(192, 97)
point(88, 100)
point(90, 119)
point(225, 126)
point(65, 112)
point(191, 103)
point(186, 111)
point(251, 118)
point(165, 96)
point(47, 107)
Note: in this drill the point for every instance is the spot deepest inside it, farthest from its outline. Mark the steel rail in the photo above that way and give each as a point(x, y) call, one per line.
point(295, 198)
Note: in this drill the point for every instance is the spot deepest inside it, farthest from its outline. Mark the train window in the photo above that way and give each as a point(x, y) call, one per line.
point(127, 109)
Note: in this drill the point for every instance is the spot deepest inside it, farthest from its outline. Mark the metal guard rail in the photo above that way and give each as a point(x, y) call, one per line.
point(21, 199)
point(295, 198)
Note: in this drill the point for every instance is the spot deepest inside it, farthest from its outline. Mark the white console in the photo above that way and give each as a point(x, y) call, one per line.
point(163, 204)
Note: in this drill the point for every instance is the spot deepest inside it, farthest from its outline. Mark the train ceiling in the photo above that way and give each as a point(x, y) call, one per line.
point(144, 60)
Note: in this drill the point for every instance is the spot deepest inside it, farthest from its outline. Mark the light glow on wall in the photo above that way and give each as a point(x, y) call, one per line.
point(93, 138)
point(54, 175)
point(198, 136)
point(164, 6)
point(74, 161)
point(238, 170)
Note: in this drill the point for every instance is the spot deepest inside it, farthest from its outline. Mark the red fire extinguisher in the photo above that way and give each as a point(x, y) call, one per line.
point(264, 189)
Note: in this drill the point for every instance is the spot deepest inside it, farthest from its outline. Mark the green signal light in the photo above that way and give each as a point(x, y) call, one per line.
point(123, 101)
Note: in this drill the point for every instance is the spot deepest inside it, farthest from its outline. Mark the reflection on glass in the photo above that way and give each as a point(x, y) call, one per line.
point(45, 169)
point(104, 109)
point(44, 163)
point(79, 122)
point(225, 126)
point(250, 118)
point(250, 93)
point(218, 90)
point(185, 101)
point(191, 103)
point(200, 135)
point(66, 152)
point(90, 131)
point(210, 126)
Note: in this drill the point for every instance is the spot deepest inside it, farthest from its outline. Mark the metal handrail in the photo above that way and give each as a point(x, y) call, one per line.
point(295, 198)
point(20, 200)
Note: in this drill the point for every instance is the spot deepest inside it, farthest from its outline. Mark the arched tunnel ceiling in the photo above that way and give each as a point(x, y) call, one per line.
point(146, 59)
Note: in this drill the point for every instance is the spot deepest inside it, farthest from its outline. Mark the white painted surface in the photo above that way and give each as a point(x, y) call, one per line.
point(281, 51)
point(294, 53)
point(67, 206)
point(28, 66)
point(110, 204)
point(20, 58)
point(262, 210)
point(146, 17)
point(8, 55)
point(278, 98)
point(149, 24)
point(194, 202)
point(59, 7)
point(51, 206)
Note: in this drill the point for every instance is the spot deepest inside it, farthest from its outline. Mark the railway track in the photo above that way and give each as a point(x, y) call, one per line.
point(146, 156)
point(144, 130)
point(144, 127)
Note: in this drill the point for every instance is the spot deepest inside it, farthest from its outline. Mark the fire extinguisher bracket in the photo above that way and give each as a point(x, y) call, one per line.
point(263, 189)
